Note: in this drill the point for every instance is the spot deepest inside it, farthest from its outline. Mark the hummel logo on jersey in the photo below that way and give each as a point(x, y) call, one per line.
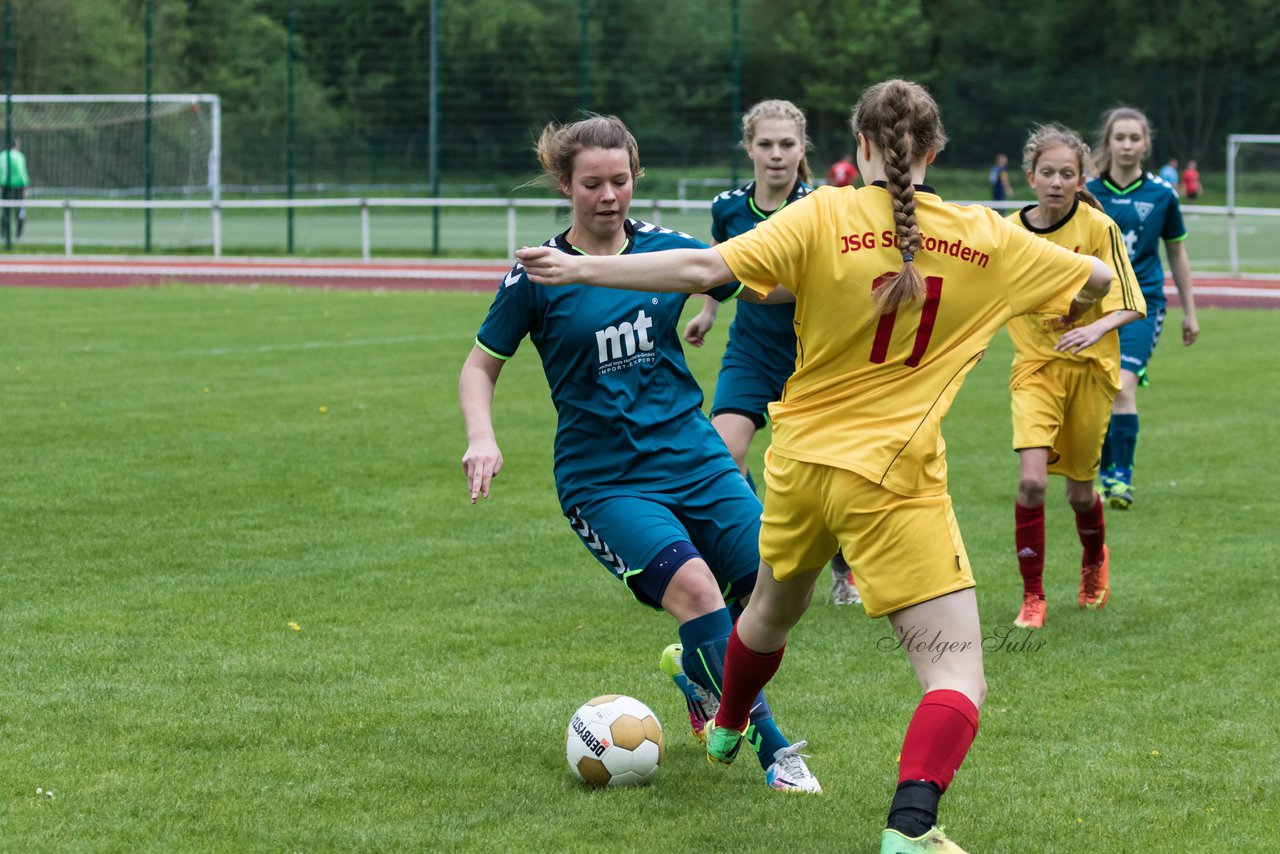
point(619, 343)
point(514, 276)
point(1143, 209)
point(1027, 551)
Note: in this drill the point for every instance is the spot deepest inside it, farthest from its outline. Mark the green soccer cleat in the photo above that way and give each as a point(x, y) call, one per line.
point(933, 842)
point(1106, 483)
point(723, 743)
point(671, 661)
point(1120, 494)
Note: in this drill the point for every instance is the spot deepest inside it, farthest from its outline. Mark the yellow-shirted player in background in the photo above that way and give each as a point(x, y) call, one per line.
point(897, 294)
point(1064, 382)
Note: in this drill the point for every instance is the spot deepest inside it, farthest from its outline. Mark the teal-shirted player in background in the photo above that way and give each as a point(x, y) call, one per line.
point(642, 477)
point(1145, 207)
point(761, 354)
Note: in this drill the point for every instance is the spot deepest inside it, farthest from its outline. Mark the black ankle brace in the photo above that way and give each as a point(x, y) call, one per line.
point(915, 808)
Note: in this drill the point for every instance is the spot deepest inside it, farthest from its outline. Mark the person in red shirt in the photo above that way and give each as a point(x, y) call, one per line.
point(1191, 181)
point(842, 173)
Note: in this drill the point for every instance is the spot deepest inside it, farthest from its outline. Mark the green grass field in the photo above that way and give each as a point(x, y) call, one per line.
point(246, 606)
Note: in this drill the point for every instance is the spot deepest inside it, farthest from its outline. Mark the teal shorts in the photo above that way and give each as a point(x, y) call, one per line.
point(745, 387)
point(1138, 338)
point(627, 530)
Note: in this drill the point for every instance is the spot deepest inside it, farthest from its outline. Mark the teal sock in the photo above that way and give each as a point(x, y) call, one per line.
point(704, 639)
point(1123, 434)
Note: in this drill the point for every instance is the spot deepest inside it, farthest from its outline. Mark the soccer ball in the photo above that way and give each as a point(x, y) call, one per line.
point(614, 741)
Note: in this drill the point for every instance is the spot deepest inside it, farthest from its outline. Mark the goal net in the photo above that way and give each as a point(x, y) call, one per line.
point(1253, 190)
point(1253, 169)
point(97, 145)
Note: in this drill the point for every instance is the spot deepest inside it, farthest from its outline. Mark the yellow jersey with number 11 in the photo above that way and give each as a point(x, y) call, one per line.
point(870, 391)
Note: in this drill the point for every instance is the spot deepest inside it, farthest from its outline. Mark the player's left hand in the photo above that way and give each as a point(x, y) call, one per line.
point(545, 265)
point(1190, 330)
point(1075, 340)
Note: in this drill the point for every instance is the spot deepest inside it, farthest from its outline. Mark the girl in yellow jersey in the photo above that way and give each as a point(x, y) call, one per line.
point(897, 294)
point(1064, 382)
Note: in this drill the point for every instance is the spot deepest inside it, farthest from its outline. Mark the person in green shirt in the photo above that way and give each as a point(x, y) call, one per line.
point(13, 185)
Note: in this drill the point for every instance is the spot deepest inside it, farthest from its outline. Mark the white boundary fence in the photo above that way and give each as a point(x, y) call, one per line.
point(650, 209)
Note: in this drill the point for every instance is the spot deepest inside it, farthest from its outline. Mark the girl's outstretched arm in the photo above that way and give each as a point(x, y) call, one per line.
point(691, 271)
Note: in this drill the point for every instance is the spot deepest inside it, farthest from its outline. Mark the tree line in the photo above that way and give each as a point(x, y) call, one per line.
point(675, 70)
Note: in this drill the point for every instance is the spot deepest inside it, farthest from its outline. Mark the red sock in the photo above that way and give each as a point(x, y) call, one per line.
point(1028, 536)
point(938, 737)
point(1092, 528)
point(746, 672)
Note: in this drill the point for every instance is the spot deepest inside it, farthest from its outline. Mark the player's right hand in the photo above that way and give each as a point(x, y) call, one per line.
point(481, 464)
point(695, 331)
point(545, 266)
point(1190, 330)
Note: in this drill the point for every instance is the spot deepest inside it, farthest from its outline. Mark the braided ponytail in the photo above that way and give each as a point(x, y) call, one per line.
point(900, 119)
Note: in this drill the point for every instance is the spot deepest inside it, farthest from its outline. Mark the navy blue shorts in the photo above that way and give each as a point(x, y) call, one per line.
point(720, 517)
point(1138, 338)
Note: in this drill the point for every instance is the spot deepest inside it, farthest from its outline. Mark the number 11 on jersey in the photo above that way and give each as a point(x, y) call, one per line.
point(928, 316)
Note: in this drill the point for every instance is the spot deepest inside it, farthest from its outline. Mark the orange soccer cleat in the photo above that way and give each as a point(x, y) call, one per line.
point(1095, 582)
point(1032, 614)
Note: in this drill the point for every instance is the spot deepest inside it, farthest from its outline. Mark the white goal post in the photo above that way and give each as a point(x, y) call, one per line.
point(1234, 141)
point(93, 145)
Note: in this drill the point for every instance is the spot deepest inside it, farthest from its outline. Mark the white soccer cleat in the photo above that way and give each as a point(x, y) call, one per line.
point(843, 589)
point(788, 773)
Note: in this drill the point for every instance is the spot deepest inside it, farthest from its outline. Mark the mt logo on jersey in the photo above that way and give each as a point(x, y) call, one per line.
point(620, 346)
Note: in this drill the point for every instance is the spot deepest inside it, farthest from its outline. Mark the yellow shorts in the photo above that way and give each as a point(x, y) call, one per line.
point(902, 550)
point(1065, 407)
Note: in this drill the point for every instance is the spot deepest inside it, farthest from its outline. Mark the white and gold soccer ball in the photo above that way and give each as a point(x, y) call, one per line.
point(614, 741)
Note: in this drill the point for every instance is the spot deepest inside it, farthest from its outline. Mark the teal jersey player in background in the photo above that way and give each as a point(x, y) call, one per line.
point(1146, 209)
point(642, 477)
point(761, 353)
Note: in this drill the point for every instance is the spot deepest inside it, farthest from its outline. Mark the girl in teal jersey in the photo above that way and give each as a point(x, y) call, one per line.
point(1146, 209)
point(642, 477)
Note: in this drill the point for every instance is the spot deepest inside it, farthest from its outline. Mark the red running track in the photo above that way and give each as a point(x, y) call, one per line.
point(120, 272)
point(117, 272)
